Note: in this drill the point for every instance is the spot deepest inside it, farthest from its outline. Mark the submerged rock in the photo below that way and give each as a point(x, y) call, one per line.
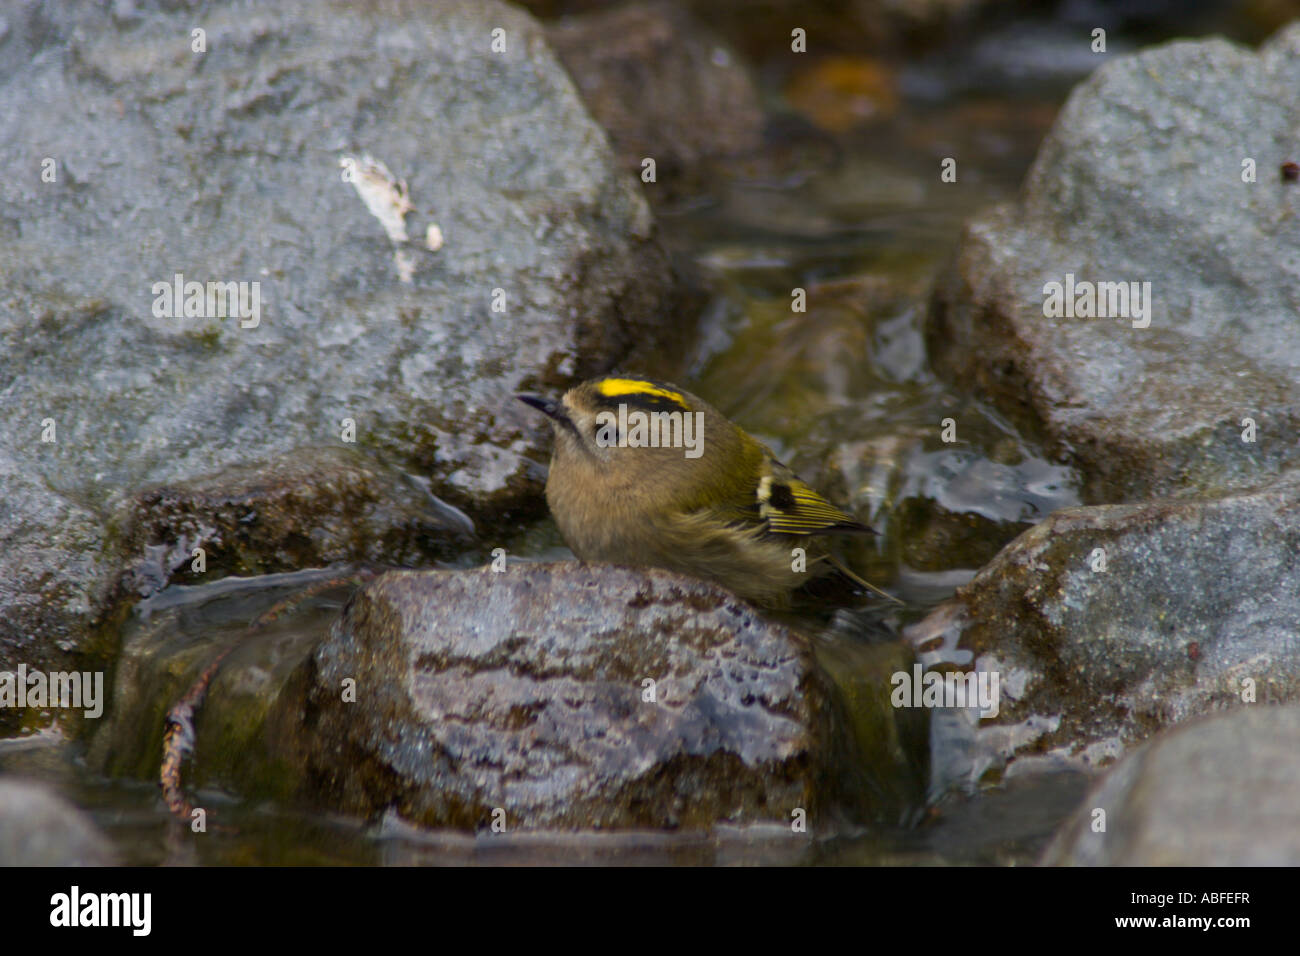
point(171, 637)
point(1224, 791)
point(1143, 179)
point(1107, 624)
point(154, 156)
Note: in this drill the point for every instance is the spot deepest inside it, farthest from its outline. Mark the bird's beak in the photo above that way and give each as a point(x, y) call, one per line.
point(551, 409)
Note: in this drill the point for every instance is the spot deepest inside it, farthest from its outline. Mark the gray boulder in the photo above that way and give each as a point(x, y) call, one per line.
point(1224, 791)
point(1110, 623)
point(1141, 180)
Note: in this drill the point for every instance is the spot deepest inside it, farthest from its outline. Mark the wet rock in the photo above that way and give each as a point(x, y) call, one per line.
point(663, 85)
point(222, 164)
point(1141, 180)
point(40, 828)
point(1224, 791)
point(321, 507)
point(1107, 624)
point(518, 697)
point(52, 572)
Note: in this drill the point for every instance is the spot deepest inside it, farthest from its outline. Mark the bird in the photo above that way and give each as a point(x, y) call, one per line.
point(645, 473)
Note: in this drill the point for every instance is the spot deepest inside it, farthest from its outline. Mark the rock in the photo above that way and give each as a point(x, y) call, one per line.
point(518, 698)
point(1194, 612)
point(1139, 181)
point(323, 506)
point(40, 828)
point(223, 165)
point(1224, 791)
point(663, 85)
point(52, 571)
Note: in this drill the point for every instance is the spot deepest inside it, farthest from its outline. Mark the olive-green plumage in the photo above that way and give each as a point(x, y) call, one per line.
point(732, 514)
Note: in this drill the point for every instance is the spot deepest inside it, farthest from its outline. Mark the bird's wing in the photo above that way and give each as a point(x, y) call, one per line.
point(789, 506)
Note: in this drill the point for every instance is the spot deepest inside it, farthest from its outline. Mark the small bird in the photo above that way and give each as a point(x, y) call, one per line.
point(645, 473)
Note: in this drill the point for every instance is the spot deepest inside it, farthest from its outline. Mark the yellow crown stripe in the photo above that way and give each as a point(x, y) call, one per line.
point(614, 387)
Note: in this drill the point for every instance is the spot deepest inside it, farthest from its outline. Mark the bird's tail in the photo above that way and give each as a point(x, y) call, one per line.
point(841, 567)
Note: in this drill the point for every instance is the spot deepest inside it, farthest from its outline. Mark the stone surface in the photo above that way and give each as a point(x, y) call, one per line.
point(1140, 180)
point(1224, 791)
point(322, 506)
point(663, 85)
point(1195, 612)
point(53, 570)
point(523, 691)
point(224, 166)
point(40, 828)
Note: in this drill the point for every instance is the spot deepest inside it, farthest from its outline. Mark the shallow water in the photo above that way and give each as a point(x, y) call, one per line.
point(1004, 826)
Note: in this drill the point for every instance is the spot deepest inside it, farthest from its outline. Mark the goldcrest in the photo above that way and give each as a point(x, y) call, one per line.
point(645, 473)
